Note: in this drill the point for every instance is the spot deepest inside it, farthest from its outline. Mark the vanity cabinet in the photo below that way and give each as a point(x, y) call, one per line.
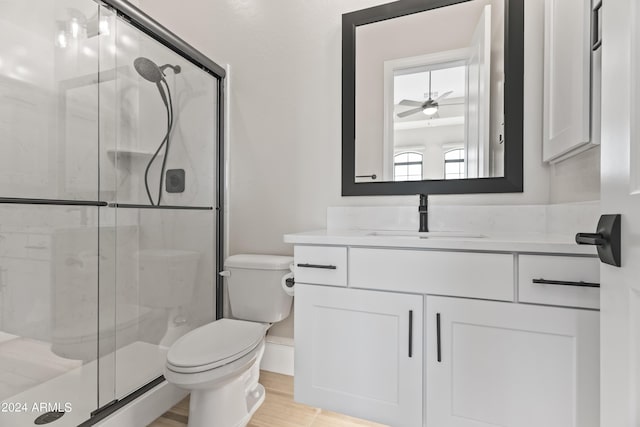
point(359, 352)
point(491, 364)
point(438, 337)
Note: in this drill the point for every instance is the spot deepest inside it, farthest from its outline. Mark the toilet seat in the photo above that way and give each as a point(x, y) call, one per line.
point(215, 344)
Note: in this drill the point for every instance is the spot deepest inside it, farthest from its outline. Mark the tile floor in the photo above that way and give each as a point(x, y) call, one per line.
point(278, 410)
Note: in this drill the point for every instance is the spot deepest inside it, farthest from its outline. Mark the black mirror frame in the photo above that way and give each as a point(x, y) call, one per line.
point(512, 182)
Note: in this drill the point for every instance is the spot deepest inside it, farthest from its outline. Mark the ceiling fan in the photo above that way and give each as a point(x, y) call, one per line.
point(428, 107)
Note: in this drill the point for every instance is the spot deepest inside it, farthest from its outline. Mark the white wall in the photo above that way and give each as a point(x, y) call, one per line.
point(285, 113)
point(285, 153)
point(576, 179)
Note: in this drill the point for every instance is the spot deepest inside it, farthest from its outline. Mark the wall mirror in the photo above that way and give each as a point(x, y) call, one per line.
point(432, 97)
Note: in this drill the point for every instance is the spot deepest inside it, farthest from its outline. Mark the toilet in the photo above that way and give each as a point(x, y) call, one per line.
point(219, 363)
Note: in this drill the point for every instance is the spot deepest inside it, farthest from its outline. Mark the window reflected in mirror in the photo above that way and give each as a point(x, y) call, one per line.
point(407, 166)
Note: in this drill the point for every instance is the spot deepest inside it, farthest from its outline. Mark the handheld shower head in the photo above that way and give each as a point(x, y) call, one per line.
point(148, 70)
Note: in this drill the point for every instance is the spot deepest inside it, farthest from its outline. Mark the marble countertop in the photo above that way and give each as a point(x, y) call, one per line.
point(465, 241)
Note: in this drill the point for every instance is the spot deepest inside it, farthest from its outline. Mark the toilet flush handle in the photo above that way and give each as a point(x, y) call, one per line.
point(225, 273)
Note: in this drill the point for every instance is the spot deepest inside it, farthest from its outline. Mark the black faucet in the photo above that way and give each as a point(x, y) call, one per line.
point(424, 212)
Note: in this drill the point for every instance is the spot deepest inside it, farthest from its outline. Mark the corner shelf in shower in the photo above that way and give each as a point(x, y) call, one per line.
point(125, 154)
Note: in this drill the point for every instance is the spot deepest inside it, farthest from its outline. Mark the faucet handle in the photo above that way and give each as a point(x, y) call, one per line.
point(424, 202)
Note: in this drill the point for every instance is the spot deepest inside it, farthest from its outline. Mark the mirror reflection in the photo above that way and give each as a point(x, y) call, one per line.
point(429, 95)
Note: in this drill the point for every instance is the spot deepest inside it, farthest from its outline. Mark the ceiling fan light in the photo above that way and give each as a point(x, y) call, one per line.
point(430, 110)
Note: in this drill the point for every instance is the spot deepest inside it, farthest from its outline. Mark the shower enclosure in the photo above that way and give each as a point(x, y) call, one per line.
point(110, 205)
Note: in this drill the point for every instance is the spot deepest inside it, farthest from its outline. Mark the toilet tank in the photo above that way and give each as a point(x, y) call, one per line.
point(255, 289)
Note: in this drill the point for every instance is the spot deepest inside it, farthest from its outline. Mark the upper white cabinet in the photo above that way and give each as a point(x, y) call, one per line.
point(571, 79)
point(491, 364)
point(360, 353)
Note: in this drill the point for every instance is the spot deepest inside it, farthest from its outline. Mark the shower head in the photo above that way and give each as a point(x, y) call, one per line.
point(151, 72)
point(148, 69)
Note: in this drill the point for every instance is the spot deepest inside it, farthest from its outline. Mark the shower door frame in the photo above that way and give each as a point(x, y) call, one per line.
point(143, 22)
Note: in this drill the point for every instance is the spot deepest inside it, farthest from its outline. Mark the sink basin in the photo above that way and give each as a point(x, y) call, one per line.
point(429, 234)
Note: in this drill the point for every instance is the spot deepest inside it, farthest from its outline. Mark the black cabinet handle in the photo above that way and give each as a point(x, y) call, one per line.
point(410, 333)
point(566, 283)
point(438, 342)
point(596, 27)
point(321, 266)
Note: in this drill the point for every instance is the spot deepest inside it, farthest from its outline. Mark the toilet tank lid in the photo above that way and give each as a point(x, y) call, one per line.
point(259, 262)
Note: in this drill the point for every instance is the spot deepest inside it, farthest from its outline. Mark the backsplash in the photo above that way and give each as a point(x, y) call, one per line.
point(567, 218)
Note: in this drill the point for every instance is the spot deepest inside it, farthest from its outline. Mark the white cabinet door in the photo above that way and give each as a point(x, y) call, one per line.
point(510, 365)
point(567, 78)
point(360, 353)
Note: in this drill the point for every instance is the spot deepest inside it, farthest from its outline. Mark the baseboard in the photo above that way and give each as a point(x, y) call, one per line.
point(145, 409)
point(278, 357)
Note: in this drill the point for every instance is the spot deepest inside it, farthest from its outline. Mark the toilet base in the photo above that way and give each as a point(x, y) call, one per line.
point(211, 409)
point(231, 404)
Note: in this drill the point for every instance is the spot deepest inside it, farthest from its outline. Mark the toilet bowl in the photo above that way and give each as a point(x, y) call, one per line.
point(219, 363)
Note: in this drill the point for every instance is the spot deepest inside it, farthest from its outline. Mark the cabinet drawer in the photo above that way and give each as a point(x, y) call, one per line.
point(559, 269)
point(464, 274)
point(321, 265)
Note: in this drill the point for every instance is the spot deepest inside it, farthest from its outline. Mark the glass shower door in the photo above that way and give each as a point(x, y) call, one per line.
point(49, 210)
point(160, 222)
point(107, 221)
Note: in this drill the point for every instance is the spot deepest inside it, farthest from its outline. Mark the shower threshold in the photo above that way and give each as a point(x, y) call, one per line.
point(138, 363)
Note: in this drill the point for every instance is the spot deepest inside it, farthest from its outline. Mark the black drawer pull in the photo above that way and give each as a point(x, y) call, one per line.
point(438, 341)
point(565, 283)
point(410, 333)
point(321, 266)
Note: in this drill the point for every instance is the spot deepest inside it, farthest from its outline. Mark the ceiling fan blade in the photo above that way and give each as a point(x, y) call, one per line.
point(409, 112)
point(444, 95)
point(410, 103)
